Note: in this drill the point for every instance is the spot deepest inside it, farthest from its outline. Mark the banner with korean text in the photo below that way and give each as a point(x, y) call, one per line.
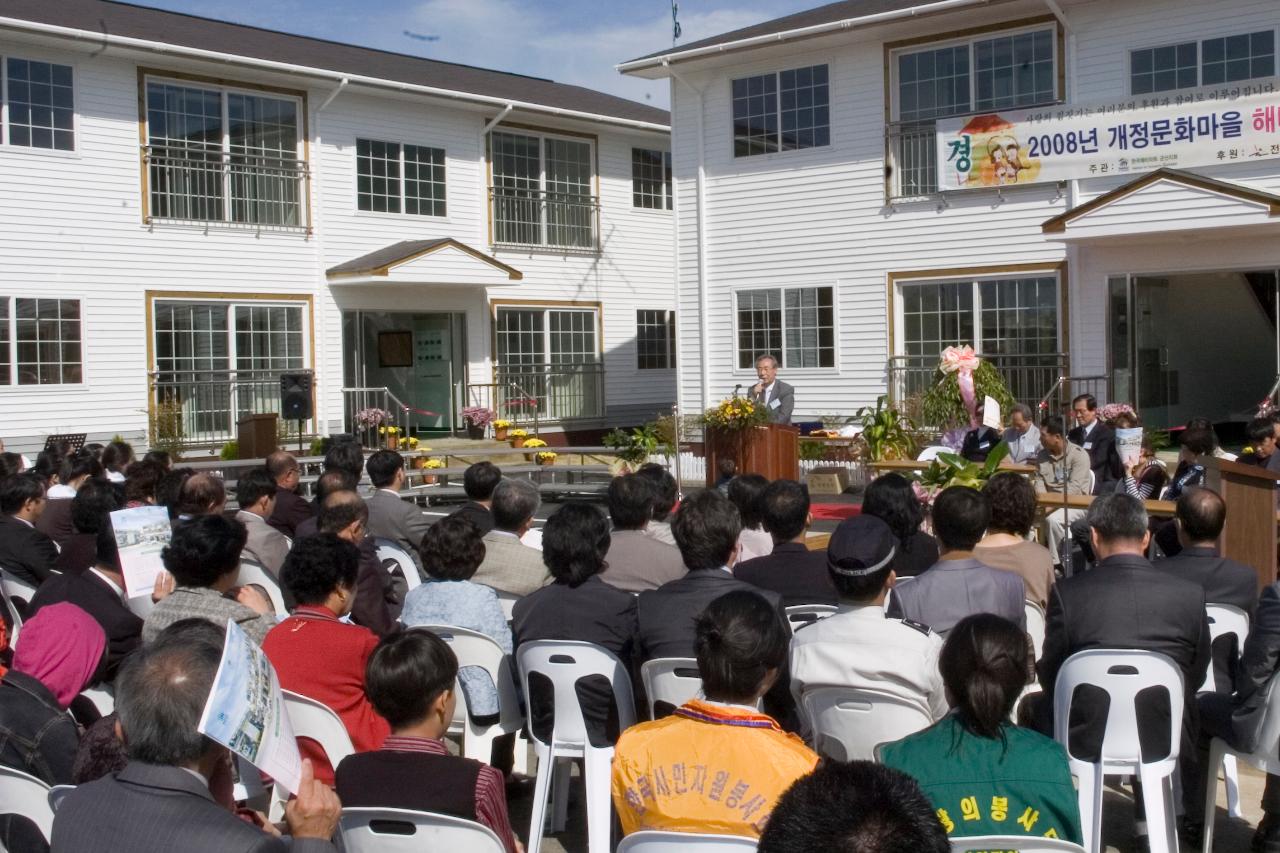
point(1128, 136)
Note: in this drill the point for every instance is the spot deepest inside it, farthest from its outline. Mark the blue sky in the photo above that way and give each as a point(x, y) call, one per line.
point(571, 41)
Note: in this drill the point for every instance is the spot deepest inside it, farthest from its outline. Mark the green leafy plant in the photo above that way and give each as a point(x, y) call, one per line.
point(318, 446)
point(948, 469)
point(942, 406)
point(230, 450)
point(812, 451)
point(886, 432)
point(637, 445)
point(164, 427)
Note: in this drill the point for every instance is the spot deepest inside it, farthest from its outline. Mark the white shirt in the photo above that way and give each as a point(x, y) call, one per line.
point(60, 491)
point(766, 392)
point(864, 648)
point(115, 476)
point(1088, 429)
point(755, 542)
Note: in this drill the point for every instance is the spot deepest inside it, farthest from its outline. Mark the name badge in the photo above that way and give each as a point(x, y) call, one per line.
point(1088, 445)
point(773, 404)
point(984, 445)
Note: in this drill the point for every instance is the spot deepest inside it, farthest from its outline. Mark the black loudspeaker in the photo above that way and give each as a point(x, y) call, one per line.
point(295, 396)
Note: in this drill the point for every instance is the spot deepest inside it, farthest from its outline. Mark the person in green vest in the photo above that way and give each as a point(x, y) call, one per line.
point(984, 775)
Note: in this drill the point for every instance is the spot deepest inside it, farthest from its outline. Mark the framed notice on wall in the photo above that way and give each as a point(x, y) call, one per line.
point(395, 349)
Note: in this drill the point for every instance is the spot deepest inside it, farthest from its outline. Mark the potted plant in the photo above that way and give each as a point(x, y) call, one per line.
point(477, 418)
point(886, 432)
point(431, 465)
point(960, 383)
point(368, 420)
point(517, 437)
point(532, 442)
point(500, 429)
point(391, 435)
point(546, 457)
point(635, 447)
point(949, 469)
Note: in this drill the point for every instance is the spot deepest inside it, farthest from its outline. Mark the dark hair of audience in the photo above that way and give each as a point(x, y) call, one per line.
point(452, 549)
point(340, 510)
point(1012, 499)
point(1054, 425)
point(10, 464)
point(630, 502)
point(318, 565)
point(254, 485)
point(345, 456)
point(204, 549)
point(666, 490)
point(161, 693)
point(15, 491)
point(1126, 420)
point(575, 540)
point(738, 640)
point(406, 674)
point(1090, 402)
point(200, 494)
point(514, 503)
point(94, 448)
point(984, 668)
point(1117, 518)
point(48, 464)
point(960, 516)
point(140, 481)
point(745, 491)
point(117, 456)
point(480, 479)
point(1201, 513)
point(105, 550)
point(382, 467)
point(77, 465)
point(332, 481)
point(891, 499)
point(1198, 440)
point(1260, 429)
point(784, 509)
point(854, 807)
point(91, 504)
point(169, 488)
point(159, 457)
point(706, 530)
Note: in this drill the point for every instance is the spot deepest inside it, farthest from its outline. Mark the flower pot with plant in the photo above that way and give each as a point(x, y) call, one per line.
point(546, 457)
point(532, 442)
point(477, 418)
point(431, 465)
point(517, 437)
point(501, 429)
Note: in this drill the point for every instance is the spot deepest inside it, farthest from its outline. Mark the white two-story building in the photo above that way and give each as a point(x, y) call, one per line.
point(190, 208)
point(1074, 187)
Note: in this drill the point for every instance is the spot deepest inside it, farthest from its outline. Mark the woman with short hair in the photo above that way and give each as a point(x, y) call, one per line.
point(745, 492)
point(1013, 512)
point(891, 499)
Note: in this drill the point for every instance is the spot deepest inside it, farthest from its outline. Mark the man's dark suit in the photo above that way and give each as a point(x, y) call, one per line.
point(1104, 461)
point(25, 551)
point(91, 594)
point(478, 513)
point(78, 553)
point(1224, 582)
point(785, 397)
point(290, 510)
point(55, 522)
point(147, 808)
point(666, 614)
point(793, 571)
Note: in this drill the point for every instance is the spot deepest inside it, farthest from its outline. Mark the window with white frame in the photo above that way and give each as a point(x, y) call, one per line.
point(39, 103)
point(795, 325)
point(40, 341)
point(655, 339)
point(781, 111)
point(542, 191)
point(1225, 59)
point(651, 178)
point(218, 154)
point(396, 178)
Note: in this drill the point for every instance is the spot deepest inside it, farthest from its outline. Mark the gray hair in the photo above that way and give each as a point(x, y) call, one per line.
point(1021, 409)
point(514, 503)
point(761, 358)
point(1118, 518)
point(160, 696)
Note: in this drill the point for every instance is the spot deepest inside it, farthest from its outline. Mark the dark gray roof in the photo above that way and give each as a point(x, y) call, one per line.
point(127, 20)
point(380, 261)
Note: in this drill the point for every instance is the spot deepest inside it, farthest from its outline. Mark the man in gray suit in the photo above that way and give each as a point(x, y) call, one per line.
point(776, 396)
point(161, 802)
point(509, 565)
point(637, 561)
point(266, 546)
point(390, 517)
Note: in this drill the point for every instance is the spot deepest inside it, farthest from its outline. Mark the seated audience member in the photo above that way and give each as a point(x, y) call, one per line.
point(791, 569)
point(1022, 436)
point(1261, 433)
point(49, 463)
point(390, 516)
point(1194, 442)
point(204, 558)
point(77, 469)
point(159, 458)
point(345, 515)
point(1200, 515)
point(345, 456)
point(291, 509)
point(744, 492)
point(509, 565)
point(666, 491)
point(891, 499)
point(858, 807)
point(959, 584)
point(316, 654)
point(264, 545)
point(116, 459)
point(706, 530)
point(726, 470)
point(451, 552)
point(1146, 479)
point(10, 464)
point(328, 483)
point(1012, 499)
point(1019, 778)
point(169, 489)
point(201, 494)
point(24, 551)
point(979, 441)
point(577, 606)
point(741, 650)
point(1098, 442)
point(90, 510)
point(637, 561)
point(162, 801)
point(860, 646)
point(479, 481)
point(140, 482)
point(409, 679)
point(1061, 468)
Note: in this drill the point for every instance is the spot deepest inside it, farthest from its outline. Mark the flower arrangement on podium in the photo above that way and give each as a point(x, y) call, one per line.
point(961, 381)
point(734, 415)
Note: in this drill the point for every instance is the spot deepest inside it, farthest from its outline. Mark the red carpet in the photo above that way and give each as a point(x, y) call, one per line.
point(834, 512)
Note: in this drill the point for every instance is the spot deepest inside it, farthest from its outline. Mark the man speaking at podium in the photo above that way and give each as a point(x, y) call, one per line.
point(776, 396)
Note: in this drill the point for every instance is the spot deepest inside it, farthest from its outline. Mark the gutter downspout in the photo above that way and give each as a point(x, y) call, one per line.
point(704, 367)
point(317, 216)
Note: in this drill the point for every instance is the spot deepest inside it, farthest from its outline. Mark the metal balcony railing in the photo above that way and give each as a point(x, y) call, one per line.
point(195, 184)
point(542, 392)
point(201, 408)
point(911, 166)
point(558, 220)
point(1030, 378)
point(355, 400)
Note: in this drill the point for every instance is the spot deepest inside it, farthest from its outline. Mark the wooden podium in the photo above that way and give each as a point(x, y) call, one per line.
point(1249, 536)
point(771, 450)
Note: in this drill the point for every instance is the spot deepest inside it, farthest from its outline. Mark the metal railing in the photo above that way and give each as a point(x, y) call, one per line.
point(201, 408)
point(1057, 400)
point(542, 392)
point(1029, 377)
point(911, 159)
point(194, 184)
point(356, 400)
point(530, 217)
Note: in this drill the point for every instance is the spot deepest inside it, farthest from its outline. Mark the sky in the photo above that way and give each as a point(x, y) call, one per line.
point(569, 41)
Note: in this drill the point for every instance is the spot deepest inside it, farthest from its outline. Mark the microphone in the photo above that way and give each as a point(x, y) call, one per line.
point(737, 388)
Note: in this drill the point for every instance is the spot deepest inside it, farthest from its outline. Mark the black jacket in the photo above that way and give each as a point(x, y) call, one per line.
point(978, 443)
point(36, 736)
point(291, 510)
point(666, 614)
point(478, 513)
point(91, 594)
point(1104, 460)
point(25, 551)
point(794, 572)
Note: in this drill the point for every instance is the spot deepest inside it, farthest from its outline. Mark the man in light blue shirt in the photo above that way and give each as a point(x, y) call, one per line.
point(1022, 436)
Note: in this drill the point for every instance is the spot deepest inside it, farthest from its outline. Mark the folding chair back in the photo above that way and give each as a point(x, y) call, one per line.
point(850, 722)
point(315, 721)
point(23, 794)
point(1035, 625)
point(800, 615)
point(404, 831)
point(251, 572)
point(1012, 843)
point(57, 794)
point(672, 681)
point(18, 591)
point(1224, 619)
point(388, 550)
point(652, 841)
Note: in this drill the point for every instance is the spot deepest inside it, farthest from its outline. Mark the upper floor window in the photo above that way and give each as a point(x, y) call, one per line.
point(651, 178)
point(795, 325)
point(395, 178)
point(655, 339)
point(781, 111)
point(542, 191)
point(1226, 59)
point(40, 342)
point(40, 105)
point(216, 154)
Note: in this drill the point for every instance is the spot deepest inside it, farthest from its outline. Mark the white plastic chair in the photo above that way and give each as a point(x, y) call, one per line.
point(670, 680)
point(931, 453)
point(850, 722)
point(1264, 756)
point(1020, 843)
point(404, 831)
point(57, 794)
point(888, 596)
point(19, 591)
point(507, 601)
point(1122, 673)
point(388, 550)
point(1225, 619)
point(564, 663)
point(653, 841)
point(800, 615)
point(15, 619)
point(314, 721)
point(475, 649)
point(103, 698)
point(24, 794)
point(1035, 625)
point(251, 572)
point(141, 606)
